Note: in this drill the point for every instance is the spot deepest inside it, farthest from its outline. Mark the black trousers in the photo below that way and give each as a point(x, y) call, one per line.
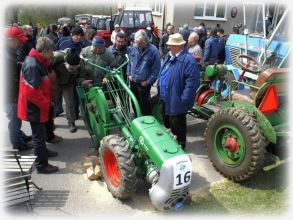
point(143, 97)
point(177, 124)
point(39, 143)
point(49, 125)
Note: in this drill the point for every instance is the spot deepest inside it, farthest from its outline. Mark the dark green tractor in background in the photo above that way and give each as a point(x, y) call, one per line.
point(246, 118)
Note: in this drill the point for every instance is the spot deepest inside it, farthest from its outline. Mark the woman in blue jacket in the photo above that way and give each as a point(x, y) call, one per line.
point(177, 84)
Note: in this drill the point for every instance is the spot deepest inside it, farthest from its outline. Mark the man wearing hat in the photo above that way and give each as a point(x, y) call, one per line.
point(14, 39)
point(66, 65)
point(117, 29)
point(177, 84)
point(99, 55)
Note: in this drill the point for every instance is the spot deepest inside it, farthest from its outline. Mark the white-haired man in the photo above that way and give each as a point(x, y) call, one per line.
point(143, 69)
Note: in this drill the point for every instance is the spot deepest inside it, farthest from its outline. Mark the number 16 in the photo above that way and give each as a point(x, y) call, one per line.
point(186, 178)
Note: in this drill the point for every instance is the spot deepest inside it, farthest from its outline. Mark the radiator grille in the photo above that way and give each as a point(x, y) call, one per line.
point(178, 195)
point(234, 52)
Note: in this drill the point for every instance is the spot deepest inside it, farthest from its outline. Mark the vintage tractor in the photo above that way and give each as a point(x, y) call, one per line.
point(143, 148)
point(243, 117)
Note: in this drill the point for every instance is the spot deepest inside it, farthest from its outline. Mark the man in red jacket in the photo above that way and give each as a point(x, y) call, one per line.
point(35, 99)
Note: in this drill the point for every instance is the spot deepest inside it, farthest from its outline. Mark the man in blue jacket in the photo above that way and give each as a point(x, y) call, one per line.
point(143, 69)
point(177, 84)
point(211, 48)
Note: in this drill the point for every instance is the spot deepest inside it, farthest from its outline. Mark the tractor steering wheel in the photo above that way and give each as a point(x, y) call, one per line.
point(250, 64)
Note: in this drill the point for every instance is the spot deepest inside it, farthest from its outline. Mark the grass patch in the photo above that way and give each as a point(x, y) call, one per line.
point(266, 193)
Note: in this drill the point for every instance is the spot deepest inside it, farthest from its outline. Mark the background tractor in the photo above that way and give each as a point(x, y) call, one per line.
point(246, 120)
point(142, 149)
point(243, 116)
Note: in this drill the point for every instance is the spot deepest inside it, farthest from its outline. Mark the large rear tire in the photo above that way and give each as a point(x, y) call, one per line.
point(235, 144)
point(117, 165)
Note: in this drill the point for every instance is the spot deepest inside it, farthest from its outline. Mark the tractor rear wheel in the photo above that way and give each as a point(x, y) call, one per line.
point(235, 144)
point(117, 165)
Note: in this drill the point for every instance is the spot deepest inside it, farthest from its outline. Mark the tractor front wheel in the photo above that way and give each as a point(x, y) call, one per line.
point(117, 165)
point(235, 144)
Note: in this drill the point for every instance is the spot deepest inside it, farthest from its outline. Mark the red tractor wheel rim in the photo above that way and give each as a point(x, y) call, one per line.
point(202, 98)
point(111, 168)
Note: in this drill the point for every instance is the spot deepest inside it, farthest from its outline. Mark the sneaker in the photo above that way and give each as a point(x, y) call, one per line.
point(55, 139)
point(58, 113)
point(48, 169)
point(72, 127)
point(51, 153)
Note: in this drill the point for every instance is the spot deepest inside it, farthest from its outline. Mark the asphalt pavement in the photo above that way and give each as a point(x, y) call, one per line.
point(69, 193)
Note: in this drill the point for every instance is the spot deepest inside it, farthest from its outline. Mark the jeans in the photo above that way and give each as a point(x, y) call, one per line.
point(59, 107)
point(17, 137)
point(39, 144)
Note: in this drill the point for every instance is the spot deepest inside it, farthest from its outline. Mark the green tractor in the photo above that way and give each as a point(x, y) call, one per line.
point(245, 117)
point(143, 148)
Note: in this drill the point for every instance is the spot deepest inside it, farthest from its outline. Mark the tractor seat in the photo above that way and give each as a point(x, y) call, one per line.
point(248, 95)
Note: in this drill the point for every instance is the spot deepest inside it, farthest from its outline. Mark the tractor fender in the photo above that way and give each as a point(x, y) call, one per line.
point(261, 119)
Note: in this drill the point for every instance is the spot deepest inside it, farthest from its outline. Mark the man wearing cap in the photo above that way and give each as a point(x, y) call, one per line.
point(177, 84)
point(66, 66)
point(99, 55)
point(73, 41)
point(14, 39)
point(35, 99)
point(117, 30)
point(143, 69)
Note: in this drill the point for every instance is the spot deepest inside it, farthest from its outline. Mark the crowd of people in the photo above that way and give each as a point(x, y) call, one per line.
point(44, 67)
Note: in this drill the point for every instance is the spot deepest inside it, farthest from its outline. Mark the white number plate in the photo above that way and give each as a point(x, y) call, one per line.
point(182, 174)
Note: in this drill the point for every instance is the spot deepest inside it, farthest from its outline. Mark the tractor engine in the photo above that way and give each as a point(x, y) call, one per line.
point(169, 168)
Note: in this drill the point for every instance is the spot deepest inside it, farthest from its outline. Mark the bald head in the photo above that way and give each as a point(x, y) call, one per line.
point(27, 30)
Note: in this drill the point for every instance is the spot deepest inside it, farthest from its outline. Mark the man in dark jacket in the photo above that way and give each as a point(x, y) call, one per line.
point(185, 32)
point(66, 66)
point(14, 39)
point(222, 44)
point(35, 99)
point(211, 49)
point(53, 33)
point(73, 41)
point(119, 50)
point(163, 44)
point(29, 44)
point(177, 84)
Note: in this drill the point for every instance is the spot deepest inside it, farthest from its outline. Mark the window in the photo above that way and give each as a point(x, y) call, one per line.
point(157, 7)
point(207, 10)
